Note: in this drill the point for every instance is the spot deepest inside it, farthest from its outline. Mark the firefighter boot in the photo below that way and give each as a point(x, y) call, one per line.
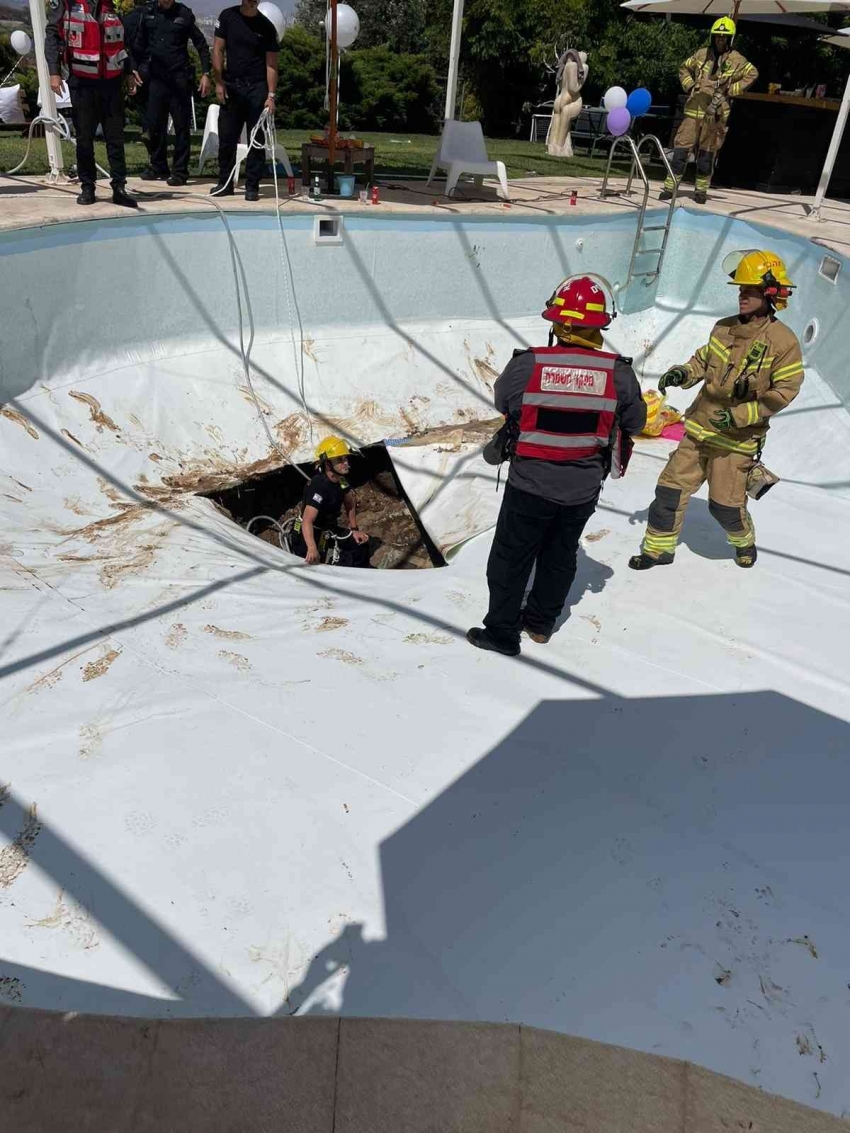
point(86, 195)
point(700, 197)
point(746, 556)
point(646, 562)
point(481, 639)
point(665, 195)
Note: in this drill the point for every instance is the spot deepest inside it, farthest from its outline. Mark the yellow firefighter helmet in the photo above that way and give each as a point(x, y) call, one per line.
point(724, 26)
point(332, 448)
point(758, 267)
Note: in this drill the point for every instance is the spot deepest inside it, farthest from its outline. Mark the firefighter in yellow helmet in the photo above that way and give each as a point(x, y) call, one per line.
point(751, 368)
point(710, 78)
point(317, 535)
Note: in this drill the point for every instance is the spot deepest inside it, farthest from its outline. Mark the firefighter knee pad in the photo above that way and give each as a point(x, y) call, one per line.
point(704, 161)
point(662, 510)
point(729, 518)
point(679, 160)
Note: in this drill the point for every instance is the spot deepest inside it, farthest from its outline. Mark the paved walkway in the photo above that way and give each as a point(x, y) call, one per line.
point(28, 202)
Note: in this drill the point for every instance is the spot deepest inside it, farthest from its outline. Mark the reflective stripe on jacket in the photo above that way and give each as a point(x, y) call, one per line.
point(569, 405)
point(94, 40)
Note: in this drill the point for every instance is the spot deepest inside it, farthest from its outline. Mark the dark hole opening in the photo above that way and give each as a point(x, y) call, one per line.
point(399, 541)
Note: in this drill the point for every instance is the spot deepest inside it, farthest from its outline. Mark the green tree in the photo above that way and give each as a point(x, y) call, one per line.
point(397, 24)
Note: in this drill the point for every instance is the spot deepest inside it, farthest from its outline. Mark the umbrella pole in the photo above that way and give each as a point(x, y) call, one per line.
point(334, 100)
point(832, 153)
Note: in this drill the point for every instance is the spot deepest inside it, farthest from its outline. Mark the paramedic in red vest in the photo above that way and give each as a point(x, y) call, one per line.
point(87, 36)
point(576, 408)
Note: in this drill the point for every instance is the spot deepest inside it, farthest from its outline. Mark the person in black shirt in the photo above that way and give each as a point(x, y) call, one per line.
point(161, 50)
point(318, 536)
point(245, 85)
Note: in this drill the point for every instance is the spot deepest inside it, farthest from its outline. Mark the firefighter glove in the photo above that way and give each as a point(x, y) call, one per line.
point(675, 376)
point(722, 420)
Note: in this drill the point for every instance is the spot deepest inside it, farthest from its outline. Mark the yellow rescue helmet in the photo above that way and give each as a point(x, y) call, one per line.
point(724, 26)
point(332, 448)
point(758, 267)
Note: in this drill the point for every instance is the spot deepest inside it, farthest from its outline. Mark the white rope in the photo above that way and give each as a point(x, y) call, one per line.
point(59, 125)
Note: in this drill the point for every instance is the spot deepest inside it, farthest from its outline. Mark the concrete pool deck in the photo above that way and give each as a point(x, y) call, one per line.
point(31, 202)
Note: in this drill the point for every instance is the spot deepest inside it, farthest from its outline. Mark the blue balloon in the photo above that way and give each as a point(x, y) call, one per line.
point(638, 102)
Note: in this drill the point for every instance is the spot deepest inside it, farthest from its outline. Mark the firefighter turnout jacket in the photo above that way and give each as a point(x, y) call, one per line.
point(765, 353)
point(710, 81)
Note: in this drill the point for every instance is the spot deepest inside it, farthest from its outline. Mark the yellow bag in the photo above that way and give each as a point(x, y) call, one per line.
point(658, 414)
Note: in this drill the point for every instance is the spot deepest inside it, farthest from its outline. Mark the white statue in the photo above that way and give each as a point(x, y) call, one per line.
point(572, 73)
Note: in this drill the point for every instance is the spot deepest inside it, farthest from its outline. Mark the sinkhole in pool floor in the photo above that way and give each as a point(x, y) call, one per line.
point(398, 541)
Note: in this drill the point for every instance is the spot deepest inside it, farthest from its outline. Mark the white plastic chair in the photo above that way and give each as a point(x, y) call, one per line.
point(209, 147)
point(462, 150)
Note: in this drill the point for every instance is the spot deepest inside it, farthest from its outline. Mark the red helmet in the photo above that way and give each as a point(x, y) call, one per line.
point(581, 300)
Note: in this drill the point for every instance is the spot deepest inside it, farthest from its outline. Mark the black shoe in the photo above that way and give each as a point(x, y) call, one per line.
point(645, 562)
point(86, 195)
point(221, 190)
point(700, 198)
point(746, 556)
point(153, 175)
point(175, 179)
point(482, 640)
point(252, 194)
point(665, 195)
point(121, 197)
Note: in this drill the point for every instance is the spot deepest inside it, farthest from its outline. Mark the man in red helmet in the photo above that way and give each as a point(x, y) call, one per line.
point(574, 409)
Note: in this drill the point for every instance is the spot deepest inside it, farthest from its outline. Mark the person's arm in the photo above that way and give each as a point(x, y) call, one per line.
point(218, 67)
point(631, 408)
point(307, 521)
point(349, 502)
point(688, 73)
point(272, 62)
point(510, 384)
point(742, 79)
point(786, 378)
point(202, 47)
point(54, 44)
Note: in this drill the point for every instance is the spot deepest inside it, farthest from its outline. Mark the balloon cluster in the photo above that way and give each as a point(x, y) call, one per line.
point(622, 108)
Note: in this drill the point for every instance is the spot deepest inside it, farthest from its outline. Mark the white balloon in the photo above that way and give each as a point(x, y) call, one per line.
point(21, 42)
point(347, 25)
point(273, 13)
point(615, 97)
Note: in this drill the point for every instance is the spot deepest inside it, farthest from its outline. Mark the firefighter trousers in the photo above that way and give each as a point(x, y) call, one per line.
point(687, 470)
point(704, 168)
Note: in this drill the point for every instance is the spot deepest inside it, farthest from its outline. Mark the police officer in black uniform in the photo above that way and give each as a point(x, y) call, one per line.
point(161, 49)
point(245, 85)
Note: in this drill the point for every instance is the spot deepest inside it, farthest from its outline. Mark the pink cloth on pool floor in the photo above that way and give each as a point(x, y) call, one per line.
point(673, 432)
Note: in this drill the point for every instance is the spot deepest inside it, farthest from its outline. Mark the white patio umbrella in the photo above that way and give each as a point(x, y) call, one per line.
point(733, 7)
point(840, 39)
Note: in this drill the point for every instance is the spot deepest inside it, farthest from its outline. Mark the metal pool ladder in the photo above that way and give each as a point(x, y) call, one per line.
point(637, 164)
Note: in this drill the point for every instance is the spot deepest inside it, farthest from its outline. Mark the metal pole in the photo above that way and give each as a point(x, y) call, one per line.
point(832, 153)
point(48, 99)
point(334, 97)
point(454, 59)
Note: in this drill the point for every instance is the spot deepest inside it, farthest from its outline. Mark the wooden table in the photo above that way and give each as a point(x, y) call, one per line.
point(313, 155)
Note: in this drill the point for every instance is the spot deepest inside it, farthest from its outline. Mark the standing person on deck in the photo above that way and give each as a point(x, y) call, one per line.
point(87, 36)
point(161, 49)
point(751, 368)
point(572, 408)
point(245, 69)
point(710, 78)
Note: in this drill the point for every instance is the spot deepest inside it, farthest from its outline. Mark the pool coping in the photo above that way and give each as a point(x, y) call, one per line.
point(38, 204)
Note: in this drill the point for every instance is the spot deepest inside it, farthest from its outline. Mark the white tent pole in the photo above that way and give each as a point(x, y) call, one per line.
point(46, 95)
point(454, 59)
point(832, 154)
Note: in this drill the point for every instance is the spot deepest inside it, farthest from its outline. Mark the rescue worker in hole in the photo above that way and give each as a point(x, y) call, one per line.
point(751, 368)
point(161, 51)
point(710, 78)
point(574, 408)
point(317, 534)
point(88, 37)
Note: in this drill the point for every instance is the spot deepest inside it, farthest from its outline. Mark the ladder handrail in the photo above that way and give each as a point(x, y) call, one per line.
point(637, 164)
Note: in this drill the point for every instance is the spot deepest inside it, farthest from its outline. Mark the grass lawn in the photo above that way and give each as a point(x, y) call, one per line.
point(395, 154)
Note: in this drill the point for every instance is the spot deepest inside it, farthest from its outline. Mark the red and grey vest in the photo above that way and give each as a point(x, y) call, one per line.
point(569, 407)
point(94, 40)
